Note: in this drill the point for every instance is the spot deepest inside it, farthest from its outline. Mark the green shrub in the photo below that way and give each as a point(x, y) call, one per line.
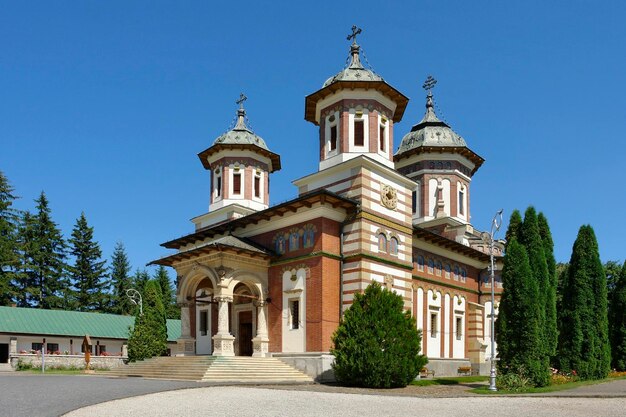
point(23, 366)
point(377, 343)
point(148, 338)
point(513, 382)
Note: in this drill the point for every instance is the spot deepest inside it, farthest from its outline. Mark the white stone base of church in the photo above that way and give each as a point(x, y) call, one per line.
point(317, 365)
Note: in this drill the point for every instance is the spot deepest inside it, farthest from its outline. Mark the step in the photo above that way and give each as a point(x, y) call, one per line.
point(214, 369)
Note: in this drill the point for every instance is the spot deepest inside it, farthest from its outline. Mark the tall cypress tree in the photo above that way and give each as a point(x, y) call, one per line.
point(520, 348)
point(148, 337)
point(551, 330)
point(617, 322)
point(43, 259)
point(169, 299)
point(88, 273)
point(120, 281)
point(583, 339)
point(531, 240)
point(515, 226)
point(9, 256)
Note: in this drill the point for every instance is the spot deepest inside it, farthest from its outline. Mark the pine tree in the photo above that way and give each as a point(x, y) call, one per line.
point(43, 254)
point(169, 299)
point(377, 343)
point(140, 279)
point(520, 348)
point(583, 339)
point(551, 329)
point(120, 281)
point(617, 322)
point(9, 256)
point(88, 274)
point(148, 337)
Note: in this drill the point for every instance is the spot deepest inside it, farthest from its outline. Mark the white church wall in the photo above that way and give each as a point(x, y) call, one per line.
point(294, 328)
point(458, 335)
point(433, 335)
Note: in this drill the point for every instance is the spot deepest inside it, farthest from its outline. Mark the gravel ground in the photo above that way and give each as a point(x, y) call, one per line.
point(260, 402)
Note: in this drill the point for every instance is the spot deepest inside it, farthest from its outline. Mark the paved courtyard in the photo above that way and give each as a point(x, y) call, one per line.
point(54, 395)
point(241, 401)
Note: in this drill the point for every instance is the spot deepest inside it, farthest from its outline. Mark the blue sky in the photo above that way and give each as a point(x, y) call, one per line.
point(105, 105)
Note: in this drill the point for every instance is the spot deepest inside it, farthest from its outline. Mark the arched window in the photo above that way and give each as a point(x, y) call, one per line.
point(463, 275)
point(393, 246)
point(446, 268)
point(456, 273)
point(420, 263)
point(438, 268)
point(382, 243)
point(431, 266)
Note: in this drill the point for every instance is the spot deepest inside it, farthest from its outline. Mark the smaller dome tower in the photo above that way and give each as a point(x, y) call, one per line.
point(439, 160)
point(240, 163)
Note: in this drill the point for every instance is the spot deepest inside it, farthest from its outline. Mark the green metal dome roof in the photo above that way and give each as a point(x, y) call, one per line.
point(355, 71)
point(241, 134)
point(430, 132)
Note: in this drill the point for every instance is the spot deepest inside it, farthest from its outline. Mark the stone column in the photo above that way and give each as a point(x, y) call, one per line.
point(261, 342)
point(185, 344)
point(223, 341)
point(13, 346)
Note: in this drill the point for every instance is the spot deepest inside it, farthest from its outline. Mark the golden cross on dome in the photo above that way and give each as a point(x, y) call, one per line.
point(355, 31)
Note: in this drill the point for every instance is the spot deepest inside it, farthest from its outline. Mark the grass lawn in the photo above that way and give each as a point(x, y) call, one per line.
point(55, 371)
point(550, 388)
point(450, 380)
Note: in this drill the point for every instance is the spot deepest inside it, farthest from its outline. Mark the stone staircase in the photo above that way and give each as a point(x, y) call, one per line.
point(216, 369)
point(6, 367)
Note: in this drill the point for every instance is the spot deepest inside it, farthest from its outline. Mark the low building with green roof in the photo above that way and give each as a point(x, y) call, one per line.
point(23, 331)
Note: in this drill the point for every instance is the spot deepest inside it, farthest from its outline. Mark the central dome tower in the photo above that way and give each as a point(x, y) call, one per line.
point(355, 110)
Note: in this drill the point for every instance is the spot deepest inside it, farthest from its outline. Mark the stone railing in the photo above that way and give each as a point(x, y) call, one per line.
point(67, 361)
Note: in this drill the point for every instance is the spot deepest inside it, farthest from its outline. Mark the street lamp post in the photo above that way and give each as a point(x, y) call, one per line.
point(135, 298)
point(495, 226)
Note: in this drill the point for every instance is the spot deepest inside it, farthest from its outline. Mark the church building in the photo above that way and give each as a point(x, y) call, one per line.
point(261, 280)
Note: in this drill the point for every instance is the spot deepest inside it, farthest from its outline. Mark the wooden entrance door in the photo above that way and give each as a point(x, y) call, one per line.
point(245, 333)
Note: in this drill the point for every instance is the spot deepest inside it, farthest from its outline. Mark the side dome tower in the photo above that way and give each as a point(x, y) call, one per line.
point(440, 162)
point(355, 110)
point(240, 163)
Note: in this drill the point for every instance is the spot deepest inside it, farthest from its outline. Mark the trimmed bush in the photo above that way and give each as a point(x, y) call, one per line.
point(377, 343)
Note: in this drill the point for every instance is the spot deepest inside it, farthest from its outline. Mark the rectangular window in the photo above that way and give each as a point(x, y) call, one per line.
point(82, 349)
point(359, 133)
point(461, 205)
point(103, 349)
point(434, 323)
point(414, 201)
point(37, 346)
point(294, 314)
point(333, 138)
point(204, 322)
point(257, 186)
point(218, 186)
point(381, 137)
point(459, 328)
point(52, 347)
point(236, 183)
